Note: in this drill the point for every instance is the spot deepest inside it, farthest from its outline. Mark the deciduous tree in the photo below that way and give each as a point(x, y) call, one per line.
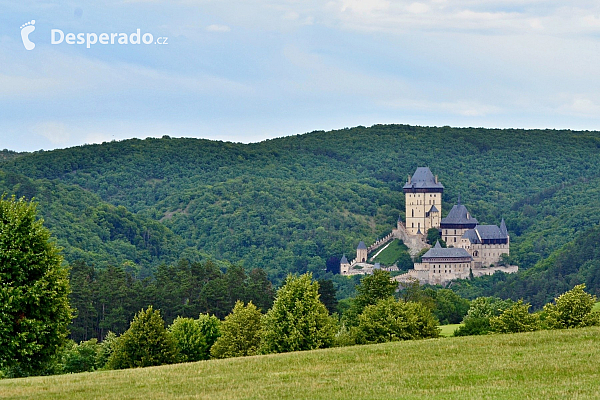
point(145, 343)
point(298, 320)
point(391, 320)
point(189, 340)
point(516, 319)
point(240, 332)
point(34, 289)
point(572, 309)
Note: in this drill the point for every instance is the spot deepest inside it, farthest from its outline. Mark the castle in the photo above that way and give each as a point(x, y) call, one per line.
point(473, 249)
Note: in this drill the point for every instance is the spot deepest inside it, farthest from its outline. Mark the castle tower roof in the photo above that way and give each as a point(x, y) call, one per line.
point(447, 253)
point(503, 228)
point(361, 246)
point(423, 179)
point(344, 260)
point(459, 215)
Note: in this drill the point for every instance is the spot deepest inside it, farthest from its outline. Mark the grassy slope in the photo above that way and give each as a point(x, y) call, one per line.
point(548, 365)
point(392, 253)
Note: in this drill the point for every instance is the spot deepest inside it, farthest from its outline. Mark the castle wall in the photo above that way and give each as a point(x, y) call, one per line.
point(438, 273)
point(452, 237)
point(485, 255)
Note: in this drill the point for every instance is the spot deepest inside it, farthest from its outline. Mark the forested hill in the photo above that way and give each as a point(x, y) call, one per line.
point(288, 204)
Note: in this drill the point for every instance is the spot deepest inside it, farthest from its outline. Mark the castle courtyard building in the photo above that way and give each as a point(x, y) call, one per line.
point(454, 226)
point(441, 265)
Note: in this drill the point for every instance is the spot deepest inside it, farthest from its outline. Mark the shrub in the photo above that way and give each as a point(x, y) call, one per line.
point(516, 319)
point(392, 320)
point(572, 309)
point(82, 357)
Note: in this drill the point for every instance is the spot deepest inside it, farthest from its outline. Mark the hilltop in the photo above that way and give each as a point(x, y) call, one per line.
point(544, 364)
point(289, 204)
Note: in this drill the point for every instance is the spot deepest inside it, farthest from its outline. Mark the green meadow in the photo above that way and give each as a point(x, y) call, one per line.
point(538, 365)
point(448, 330)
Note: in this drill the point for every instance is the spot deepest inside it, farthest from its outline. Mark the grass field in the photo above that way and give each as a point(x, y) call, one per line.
point(539, 365)
point(392, 253)
point(596, 307)
point(448, 330)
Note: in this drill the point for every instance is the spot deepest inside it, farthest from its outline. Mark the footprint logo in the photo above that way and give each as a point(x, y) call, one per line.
point(26, 29)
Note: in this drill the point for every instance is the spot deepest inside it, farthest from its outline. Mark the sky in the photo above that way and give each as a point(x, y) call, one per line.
point(248, 70)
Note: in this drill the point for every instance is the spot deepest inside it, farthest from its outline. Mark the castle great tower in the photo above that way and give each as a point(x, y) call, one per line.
point(423, 195)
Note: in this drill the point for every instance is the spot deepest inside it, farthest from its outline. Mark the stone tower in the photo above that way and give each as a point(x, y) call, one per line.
point(361, 252)
point(423, 195)
point(344, 265)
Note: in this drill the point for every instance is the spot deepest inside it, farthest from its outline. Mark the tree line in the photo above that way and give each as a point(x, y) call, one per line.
point(107, 299)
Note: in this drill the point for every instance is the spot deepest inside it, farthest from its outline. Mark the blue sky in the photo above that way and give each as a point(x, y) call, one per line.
point(247, 70)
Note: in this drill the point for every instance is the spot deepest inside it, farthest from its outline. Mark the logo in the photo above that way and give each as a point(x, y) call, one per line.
point(57, 37)
point(26, 29)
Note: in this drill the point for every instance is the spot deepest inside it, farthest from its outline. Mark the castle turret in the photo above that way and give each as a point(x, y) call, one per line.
point(361, 252)
point(344, 265)
point(423, 195)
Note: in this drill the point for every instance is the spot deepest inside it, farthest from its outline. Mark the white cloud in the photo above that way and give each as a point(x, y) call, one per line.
point(582, 107)
point(218, 28)
point(418, 8)
point(56, 132)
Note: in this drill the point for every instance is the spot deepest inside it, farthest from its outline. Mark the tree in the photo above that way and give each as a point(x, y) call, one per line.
point(375, 287)
point(82, 357)
point(482, 309)
point(260, 290)
point(412, 290)
point(572, 309)
point(210, 326)
point(516, 319)
point(328, 295)
point(372, 288)
point(298, 320)
point(392, 320)
point(240, 332)
point(145, 343)
point(107, 348)
point(82, 300)
point(434, 235)
point(450, 308)
point(189, 340)
point(34, 290)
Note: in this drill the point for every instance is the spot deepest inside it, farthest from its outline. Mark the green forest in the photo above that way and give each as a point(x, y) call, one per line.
point(296, 204)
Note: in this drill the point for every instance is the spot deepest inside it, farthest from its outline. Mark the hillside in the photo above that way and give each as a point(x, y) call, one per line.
point(289, 204)
point(544, 364)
